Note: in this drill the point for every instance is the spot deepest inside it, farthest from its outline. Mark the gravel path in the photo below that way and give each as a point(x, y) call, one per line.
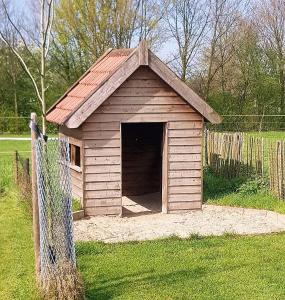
point(212, 220)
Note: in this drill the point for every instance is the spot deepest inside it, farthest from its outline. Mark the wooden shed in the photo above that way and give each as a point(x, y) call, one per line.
point(136, 135)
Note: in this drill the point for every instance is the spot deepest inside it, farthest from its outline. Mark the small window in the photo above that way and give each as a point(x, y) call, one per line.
point(75, 155)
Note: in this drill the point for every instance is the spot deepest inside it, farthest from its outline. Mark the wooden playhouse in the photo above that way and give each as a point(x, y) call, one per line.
point(136, 134)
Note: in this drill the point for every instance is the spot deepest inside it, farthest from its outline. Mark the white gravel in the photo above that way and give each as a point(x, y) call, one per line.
point(212, 220)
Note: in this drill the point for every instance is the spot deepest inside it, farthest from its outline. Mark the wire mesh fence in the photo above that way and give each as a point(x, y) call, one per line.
point(57, 252)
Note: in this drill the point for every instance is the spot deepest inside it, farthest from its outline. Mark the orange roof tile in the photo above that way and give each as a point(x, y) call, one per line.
point(87, 85)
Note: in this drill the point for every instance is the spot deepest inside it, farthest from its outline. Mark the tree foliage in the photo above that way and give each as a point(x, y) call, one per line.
point(231, 52)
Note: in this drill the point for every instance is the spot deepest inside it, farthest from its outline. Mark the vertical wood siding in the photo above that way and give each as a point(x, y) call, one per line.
point(144, 97)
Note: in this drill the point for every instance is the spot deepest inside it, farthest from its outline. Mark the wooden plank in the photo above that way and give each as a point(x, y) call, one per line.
point(103, 202)
point(188, 165)
point(144, 100)
point(185, 157)
point(192, 189)
point(177, 207)
point(143, 72)
point(107, 210)
point(186, 125)
point(104, 91)
point(155, 117)
point(184, 181)
point(192, 141)
point(144, 109)
point(75, 132)
point(165, 169)
point(105, 151)
point(103, 194)
point(185, 197)
point(185, 133)
point(143, 91)
point(97, 186)
point(102, 177)
point(102, 169)
point(102, 143)
point(101, 135)
point(182, 89)
point(148, 83)
point(107, 160)
point(76, 182)
point(184, 173)
point(76, 174)
point(77, 192)
point(100, 126)
point(185, 149)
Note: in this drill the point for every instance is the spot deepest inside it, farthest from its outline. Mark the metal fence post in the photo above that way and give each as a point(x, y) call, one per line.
point(36, 229)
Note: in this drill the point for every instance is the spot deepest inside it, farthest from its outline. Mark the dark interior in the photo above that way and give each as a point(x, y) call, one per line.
point(142, 161)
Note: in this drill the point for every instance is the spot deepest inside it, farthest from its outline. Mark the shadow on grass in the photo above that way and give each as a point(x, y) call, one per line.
point(117, 286)
point(218, 186)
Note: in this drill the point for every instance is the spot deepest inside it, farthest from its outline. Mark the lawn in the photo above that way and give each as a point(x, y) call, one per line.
point(16, 250)
point(227, 267)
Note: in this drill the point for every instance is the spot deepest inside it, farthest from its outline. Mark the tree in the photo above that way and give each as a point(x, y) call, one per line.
point(224, 17)
point(270, 19)
point(187, 24)
point(84, 30)
point(46, 20)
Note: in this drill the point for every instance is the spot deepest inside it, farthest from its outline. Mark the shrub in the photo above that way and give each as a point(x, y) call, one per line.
point(254, 186)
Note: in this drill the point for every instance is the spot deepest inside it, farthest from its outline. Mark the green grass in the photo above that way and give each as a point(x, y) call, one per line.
point(273, 135)
point(227, 267)
point(76, 205)
point(16, 250)
point(240, 192)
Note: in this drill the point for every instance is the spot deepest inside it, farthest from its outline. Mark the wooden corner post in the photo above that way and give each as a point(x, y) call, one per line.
point(143, 53)
point(36, 227)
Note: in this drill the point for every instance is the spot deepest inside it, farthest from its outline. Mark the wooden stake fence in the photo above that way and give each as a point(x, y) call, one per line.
point(238, 154)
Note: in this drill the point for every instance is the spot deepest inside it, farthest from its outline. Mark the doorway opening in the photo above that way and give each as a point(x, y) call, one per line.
point(142, 151)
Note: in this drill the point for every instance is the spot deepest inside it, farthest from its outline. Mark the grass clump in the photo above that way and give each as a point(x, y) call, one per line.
point(76, 205)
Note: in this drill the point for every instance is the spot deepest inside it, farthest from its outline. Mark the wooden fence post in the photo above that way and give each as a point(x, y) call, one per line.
point(16, 167)
point(36, 228)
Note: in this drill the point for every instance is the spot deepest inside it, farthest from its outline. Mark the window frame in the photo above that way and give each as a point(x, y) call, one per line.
point(72, 144)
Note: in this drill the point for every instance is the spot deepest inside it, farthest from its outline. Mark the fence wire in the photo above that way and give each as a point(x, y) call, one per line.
point(55, 207)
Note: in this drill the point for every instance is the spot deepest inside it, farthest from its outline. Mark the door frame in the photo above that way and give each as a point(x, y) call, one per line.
point(164, 179)
point(164, 163)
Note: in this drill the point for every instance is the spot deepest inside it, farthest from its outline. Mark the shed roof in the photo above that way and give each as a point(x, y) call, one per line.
point(106, 75)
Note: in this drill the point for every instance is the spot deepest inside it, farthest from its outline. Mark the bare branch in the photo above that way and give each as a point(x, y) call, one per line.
point(47, 33)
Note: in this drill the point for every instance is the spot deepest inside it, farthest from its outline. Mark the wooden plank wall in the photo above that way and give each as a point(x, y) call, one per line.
point(144, 97)
point(75, 136)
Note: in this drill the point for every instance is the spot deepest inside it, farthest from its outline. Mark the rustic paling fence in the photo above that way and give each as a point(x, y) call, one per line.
point(277, 168)
point(241, 154)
